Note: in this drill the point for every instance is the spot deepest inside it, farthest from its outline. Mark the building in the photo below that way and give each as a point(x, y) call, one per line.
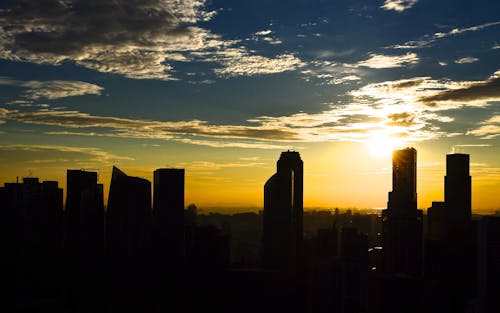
point(84, 243)
point(128, 227)
point(33, 218)
point(283, 214)
point(457, 191)
point(402, 221)
point(168, 214)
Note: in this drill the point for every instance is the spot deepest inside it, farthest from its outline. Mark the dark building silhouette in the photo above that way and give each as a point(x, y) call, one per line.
point(168, 212)
point(352, 270)
point(37, 208)
point(283, 213)
point(128, 227)
point(489, 264)
point(434, 240)
point(84, 240)
point(457, 190)
point(459, 243)
point(402, 222)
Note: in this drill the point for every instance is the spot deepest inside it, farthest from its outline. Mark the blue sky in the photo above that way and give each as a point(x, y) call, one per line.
point(228, 84)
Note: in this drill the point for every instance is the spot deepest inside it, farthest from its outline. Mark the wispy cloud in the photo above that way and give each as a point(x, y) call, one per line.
point(331, 73)
point(398, 5)
point(263, 32)
point(406, 110)
point(428, 40)
point(208, 165)
point(466, 60)
point(489, 129)
point(389, 61)
point(53, 89)
point(72, 154)
point(248, 65)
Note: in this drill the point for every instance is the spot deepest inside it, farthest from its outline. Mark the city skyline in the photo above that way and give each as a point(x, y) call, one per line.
point(148, 253)
point(219, 88)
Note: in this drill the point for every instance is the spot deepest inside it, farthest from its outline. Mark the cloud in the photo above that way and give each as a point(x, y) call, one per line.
point(389, 61)
point(139, 39)
point(473, 93)
point(53, 89)
point(208, 165)
point(263, 32)
point(331, 73)
point(140, 128)
point(466, 60)
point(407, 110)
point(71, 154)
point(489, 128)
point(428, 40)
point(264, 35)
point(248, 65)
point(398, 5)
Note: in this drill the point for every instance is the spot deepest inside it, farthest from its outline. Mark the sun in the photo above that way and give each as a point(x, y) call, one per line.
point(381, 145)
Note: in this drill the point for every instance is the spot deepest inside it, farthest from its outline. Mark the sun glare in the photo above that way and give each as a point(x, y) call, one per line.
point(382, 145)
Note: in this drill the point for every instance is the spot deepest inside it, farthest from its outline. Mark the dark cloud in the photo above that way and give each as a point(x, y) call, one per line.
point(408, 84)
point(489, 89)
point(70, 27)
point(135, 38)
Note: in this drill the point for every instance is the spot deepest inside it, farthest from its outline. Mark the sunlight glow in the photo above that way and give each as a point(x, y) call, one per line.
point(381, 145)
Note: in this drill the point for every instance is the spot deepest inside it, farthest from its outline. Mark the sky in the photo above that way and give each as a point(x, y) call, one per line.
point(221, 88)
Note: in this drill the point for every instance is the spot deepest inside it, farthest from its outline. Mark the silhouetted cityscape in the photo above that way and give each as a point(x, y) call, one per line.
point(147, 252)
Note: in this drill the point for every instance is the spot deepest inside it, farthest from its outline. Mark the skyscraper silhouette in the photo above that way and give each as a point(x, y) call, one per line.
point(459, 238)
point(457, 189)
point(84, 244)
point(402, 222)
point(127, 242)
point(283, 213)
point(168, 212)
point(36, 237)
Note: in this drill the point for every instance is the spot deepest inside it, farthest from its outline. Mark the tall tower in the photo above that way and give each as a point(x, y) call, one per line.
point(128, 227)
point(128, 215)
point(168, 212)
point(84, 246)
point(283, 213)
point(402, 222)
point(457, 188)
point(459, 233)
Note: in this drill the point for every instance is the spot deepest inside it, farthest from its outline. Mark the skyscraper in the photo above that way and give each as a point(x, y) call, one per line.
point(127, 242)
point(457, 188)
point(32, 216)
point(283, 213)
point(128, 215)
point(459, 234)
point(402, 222)
point(84, 245)
point(168, 212)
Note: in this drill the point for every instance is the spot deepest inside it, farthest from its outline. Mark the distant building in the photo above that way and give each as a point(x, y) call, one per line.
point(283, 213)
point(402, 221)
